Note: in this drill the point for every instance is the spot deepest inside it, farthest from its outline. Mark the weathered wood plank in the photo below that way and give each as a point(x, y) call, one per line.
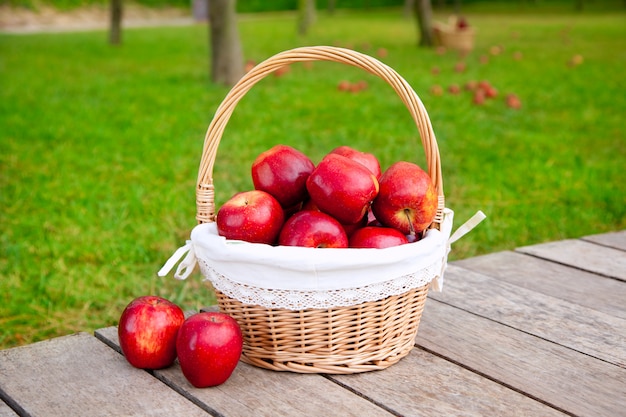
point(423, 384)
point(568, 380)
point(615, 240)
point(78, 375)
point(576, 327)
point(550, 278)
point(254, 391)
point(6, 411)
point(583, 255)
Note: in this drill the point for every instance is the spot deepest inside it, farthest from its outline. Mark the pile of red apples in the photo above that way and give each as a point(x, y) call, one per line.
point(343, 201)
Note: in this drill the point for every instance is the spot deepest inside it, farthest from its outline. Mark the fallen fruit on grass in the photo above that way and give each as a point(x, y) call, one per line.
point(344, 85)
point(147, 332)
point(479, 97)
point(576, 60)
point(280, 71)
point(436, 90)
point(254, 216)
point(209, 346)
point(454, 89)
point(249, 65)
point(460, 66)
point(491, 92)
point(513, 101)
point(471, 85)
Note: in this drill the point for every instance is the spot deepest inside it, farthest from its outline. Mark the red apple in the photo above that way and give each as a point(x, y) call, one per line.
point(342, 188)
point(454, 89)
point(407, 199)
point(377, 237)
point(491, 92)
point(282, 171)
point(344, 85)
point(279, 72)
point(249, 65)
point(436, 90)
point(460, 66)
point(358, 86)
point(513, 101)
point(471, 85)
point(209, 346)
point(351, 228)
point(364, 158)
point(313, 229)
point(309, 205)
point(479, 97)
point(147, 332)
point(254, 216)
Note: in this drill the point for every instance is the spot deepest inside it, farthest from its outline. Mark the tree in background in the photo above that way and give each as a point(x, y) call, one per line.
point(227, 65)
point(115, 30)
point(424, 15)
point(306, 15)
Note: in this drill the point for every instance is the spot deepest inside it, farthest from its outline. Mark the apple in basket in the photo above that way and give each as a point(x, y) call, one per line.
point(147, 332)
point(254, 216)
point(377, 237)
point(313, 229)
point(342, 187)
point(282, 171)
point(407, 199)
point(364, 158)
point(209, 346)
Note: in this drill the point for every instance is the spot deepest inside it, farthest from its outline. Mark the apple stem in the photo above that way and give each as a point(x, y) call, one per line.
point(411, 228)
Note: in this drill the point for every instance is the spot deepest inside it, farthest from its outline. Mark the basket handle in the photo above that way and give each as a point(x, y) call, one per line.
point(205, 192)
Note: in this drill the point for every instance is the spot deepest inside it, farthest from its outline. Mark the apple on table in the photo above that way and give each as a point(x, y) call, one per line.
point(209, 346)
point(147, 332)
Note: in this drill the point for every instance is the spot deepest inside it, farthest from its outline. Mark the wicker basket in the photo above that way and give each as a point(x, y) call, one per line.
point(349, 339)
point(447, 35)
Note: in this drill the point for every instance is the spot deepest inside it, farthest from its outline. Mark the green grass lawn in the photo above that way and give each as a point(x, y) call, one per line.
point(100, 145)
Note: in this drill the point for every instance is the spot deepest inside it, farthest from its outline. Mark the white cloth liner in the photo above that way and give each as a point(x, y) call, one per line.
point(298, 278)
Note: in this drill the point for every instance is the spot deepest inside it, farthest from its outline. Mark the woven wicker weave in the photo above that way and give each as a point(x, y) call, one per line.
point(364, 337)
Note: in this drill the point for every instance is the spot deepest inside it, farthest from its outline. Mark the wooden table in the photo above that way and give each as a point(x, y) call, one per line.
point(539, 331)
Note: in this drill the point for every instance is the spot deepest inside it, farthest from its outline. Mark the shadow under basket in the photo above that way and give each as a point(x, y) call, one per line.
point(365, 337)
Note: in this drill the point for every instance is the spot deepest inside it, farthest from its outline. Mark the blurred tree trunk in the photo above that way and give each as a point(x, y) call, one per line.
point(331, 6)
point(227, 65)
point(306, 15)
point(115, 31)
point(408, 7)
point(424, 17)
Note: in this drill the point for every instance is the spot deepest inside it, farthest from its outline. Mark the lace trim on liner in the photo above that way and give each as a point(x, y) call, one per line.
point(319, 299)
